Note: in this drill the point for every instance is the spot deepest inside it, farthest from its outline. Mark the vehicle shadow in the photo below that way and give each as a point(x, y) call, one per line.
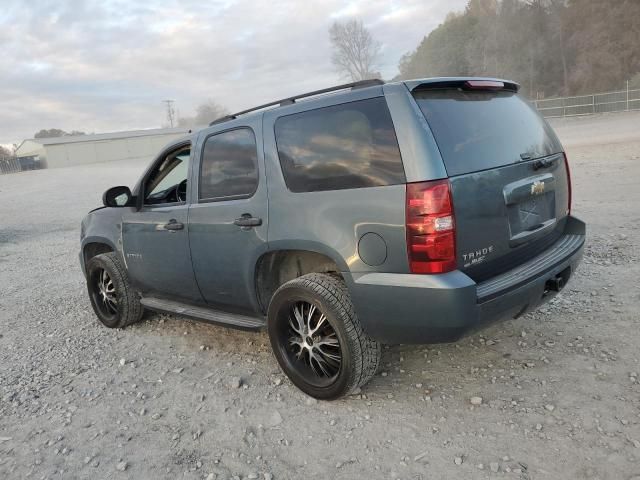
point(423, 370)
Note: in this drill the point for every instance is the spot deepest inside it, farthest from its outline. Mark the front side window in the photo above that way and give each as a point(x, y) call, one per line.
point(229, 166)
point(167, 183)
point(352, 145)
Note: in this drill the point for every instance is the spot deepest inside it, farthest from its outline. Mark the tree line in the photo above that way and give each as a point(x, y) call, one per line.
point(56, 132)
point(551, 47)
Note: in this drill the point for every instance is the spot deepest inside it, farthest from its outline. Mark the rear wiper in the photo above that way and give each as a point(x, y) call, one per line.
point(543, 163)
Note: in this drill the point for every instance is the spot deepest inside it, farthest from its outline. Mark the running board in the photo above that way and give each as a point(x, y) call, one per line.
point(203, 313)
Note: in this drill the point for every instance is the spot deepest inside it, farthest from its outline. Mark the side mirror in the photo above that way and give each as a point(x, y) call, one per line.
point(117, 197)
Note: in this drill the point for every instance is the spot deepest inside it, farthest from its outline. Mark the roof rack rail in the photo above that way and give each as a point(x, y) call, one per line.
point(291, 100)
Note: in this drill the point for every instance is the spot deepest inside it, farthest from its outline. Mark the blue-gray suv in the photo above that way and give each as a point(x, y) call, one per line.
point(344, 219)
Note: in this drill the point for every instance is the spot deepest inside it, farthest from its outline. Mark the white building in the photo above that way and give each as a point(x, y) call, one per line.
point(104, 147)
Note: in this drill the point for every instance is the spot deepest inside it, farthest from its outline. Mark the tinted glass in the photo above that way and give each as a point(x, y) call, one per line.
point(229, 165)
point(352, 145)
point(481, 130)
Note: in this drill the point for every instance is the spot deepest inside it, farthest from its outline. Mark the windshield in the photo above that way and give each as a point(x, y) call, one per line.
point(481, 130)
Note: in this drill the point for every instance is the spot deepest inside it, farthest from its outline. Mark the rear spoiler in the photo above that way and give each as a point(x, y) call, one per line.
point(483, 84)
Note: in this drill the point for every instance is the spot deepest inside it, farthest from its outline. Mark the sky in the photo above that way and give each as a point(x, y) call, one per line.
point(103, 66)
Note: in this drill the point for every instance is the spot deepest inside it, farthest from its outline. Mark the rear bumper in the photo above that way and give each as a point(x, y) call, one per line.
point(404, 308)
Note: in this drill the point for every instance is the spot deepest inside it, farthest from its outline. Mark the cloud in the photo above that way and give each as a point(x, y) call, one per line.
point(107, 65)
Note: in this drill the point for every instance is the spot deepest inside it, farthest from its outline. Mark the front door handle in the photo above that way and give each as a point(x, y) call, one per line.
point(173, 225)
point(246, 220)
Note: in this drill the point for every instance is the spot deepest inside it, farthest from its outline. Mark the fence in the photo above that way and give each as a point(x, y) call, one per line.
point(9, 165)
point(620, 101)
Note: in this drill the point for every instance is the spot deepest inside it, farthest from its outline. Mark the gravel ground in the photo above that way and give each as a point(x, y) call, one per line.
point(552, 395)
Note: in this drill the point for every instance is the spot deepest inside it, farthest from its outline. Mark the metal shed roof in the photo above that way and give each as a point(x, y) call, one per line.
point(107, 136)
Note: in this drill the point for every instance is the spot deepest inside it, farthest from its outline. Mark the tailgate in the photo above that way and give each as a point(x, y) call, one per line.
point(509, 182)
point(507, 215)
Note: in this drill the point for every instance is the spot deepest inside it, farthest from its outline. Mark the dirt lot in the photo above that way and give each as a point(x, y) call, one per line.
point(560, 388)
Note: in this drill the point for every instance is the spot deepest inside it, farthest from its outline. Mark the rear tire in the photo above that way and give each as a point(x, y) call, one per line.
point(113, 299)
point(318, 339)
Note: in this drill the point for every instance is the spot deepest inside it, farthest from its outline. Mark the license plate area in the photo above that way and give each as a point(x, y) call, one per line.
point(531, 207)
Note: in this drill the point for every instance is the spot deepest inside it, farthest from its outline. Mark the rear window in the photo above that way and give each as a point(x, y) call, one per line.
point(481, 130)
point(352, 145)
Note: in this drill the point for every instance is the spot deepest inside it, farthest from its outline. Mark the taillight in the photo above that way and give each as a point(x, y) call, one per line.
point(484, 85)
point(566, 166)
point(431, 236)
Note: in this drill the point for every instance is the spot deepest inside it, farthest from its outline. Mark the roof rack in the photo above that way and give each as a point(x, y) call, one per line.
point(291, 100)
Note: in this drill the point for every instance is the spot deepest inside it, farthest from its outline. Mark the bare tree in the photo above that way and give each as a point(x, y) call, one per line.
point(209, 111)
point(56, 132)
point(205, 113)
point(50, 133)
point(5, 152)
point(355, 52)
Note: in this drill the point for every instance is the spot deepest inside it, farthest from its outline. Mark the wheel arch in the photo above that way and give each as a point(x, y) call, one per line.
point(278, 266)
point(93, 246)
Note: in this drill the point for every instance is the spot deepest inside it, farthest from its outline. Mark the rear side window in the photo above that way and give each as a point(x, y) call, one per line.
point(228, 168)
point(481, 130)
point(352, 145)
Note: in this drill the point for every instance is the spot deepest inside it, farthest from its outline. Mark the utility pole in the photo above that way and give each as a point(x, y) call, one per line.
point(171, 113)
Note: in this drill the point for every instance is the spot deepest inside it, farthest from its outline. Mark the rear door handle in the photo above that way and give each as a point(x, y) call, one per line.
point(173, 225)
point(246, 220)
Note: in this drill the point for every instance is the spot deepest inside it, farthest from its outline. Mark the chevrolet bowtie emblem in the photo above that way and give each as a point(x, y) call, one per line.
point(537, 188)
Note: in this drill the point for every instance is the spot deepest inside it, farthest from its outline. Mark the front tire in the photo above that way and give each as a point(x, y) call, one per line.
point(318, 339)
point(113, 299)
